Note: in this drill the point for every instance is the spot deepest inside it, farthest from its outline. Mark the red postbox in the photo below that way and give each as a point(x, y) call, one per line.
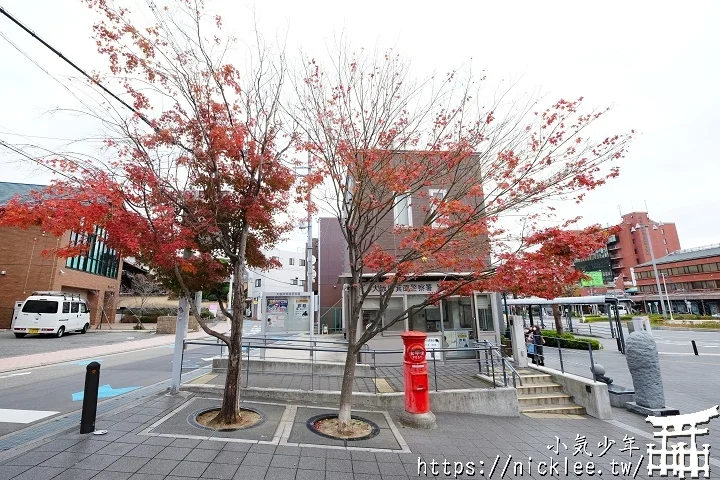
point(417, 391)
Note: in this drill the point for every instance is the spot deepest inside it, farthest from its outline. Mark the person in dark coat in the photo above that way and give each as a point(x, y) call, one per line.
point(539, 341)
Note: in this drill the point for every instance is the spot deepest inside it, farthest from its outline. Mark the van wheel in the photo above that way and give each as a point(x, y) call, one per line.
point(85, 328)
point(20, 335)
point(60, 332)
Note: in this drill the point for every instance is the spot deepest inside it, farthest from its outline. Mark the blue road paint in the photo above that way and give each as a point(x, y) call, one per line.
point(86, 362)
point(105, 391)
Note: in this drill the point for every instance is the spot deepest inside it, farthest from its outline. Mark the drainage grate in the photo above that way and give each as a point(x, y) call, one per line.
point(70, 420)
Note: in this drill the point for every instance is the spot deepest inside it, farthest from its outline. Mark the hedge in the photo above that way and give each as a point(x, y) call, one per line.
point(568, 340)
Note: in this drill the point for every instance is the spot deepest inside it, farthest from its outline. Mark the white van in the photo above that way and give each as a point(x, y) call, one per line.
point(52, 313)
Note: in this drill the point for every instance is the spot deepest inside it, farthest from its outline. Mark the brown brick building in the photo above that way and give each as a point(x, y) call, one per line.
point(452, 322)
point(692, 278)
point(629, 248)
point(24, 269)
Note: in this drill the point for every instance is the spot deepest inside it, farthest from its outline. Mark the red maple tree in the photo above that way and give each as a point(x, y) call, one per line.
point(470, 168)
point(198, 173)
point(546, 269)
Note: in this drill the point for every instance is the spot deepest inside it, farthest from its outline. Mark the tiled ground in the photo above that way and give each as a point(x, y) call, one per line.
point(126, 454)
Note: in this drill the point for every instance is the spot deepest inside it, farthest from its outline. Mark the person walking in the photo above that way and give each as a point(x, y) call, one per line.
point(529, 344)
point(538, 342)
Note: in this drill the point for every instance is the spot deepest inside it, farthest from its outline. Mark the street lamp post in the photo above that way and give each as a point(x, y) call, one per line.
point(652, 259)
point(667, 294)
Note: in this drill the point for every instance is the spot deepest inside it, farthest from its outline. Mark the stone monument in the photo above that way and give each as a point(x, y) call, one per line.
point(644, 365)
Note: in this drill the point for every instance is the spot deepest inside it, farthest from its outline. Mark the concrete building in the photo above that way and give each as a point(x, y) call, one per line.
point(24, 268)
point(276, 293)
point(453, 322)
point(629, 248)
point(692, 277)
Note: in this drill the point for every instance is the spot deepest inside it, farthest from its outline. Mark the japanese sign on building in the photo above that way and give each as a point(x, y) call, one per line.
point(408, 287)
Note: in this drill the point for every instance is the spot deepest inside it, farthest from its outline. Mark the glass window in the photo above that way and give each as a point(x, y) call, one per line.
point(692, 269)
point(302, 262)
point(293, 281)
point(423, 319)
point(394, 309)
point(438, 195)
point(66, 307)
point(83, 308)
point(40, 306)
point(401, 210)
point(74, 307)
point(303, 282)
point(258, 282)
point(457, 313)
point(291, 261)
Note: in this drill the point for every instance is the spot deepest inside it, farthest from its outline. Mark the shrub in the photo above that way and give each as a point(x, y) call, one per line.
point(568, 340)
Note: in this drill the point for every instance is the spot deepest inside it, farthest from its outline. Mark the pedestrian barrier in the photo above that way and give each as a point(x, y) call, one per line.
point(282, 362)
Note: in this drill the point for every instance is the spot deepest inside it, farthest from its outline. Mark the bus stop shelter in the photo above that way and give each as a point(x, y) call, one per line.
point(615, 325)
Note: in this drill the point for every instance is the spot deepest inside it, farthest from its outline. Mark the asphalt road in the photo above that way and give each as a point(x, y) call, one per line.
point(51, 388)
point(31, 344)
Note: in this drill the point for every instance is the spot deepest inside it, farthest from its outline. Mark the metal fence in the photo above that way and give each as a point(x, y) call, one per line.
point(566, 360)
point(372, 375)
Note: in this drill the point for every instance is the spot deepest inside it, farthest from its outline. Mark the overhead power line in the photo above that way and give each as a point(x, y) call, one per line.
point(72, 64)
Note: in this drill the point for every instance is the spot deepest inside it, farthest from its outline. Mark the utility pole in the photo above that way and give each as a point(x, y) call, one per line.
point(308, 262)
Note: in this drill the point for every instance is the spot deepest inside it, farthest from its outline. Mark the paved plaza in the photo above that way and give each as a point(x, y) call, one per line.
point(149, 437)
point(127, 451)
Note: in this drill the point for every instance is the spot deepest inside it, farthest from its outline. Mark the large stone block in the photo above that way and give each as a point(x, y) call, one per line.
point(167, 324)
point(644, 365)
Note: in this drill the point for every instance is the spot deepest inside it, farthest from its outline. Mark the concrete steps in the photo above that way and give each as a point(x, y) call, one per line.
point(539, 394)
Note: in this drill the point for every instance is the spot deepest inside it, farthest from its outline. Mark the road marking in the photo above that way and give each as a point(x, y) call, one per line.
point(16, 374)
point(105, 391)
point(86, 362)
point(690, 353)
point(23, 416)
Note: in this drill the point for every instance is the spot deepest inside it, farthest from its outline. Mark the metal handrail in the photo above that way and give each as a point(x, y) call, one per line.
point(247, 344)
point(505, 363)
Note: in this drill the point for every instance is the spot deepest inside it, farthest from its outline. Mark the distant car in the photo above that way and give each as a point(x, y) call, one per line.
point(715, 315)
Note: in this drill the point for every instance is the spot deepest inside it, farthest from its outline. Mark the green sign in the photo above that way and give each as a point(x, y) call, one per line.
point(595, 280)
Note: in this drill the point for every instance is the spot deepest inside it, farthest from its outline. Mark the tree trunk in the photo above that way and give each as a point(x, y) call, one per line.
point(345, 414)
point(229, 411)
point(558, 319)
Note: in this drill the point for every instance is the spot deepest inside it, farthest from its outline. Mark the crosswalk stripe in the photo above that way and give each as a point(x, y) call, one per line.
point(23, 416)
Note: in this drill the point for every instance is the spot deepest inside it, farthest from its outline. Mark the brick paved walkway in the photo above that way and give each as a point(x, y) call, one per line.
point(125, 454)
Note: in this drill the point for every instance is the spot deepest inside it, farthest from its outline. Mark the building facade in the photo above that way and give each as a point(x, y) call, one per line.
point(628, 248)
point(689, 280)
point(24, 268)
point(277, 301)
point(453, 322)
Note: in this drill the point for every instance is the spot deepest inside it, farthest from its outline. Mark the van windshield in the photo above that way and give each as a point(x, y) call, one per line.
point(40, 306)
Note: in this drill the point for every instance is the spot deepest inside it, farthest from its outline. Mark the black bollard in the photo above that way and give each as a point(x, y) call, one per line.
point(90, 396)
point(694, 347)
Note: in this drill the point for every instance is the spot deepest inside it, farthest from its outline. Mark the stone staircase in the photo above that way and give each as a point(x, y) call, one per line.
point(539, 394)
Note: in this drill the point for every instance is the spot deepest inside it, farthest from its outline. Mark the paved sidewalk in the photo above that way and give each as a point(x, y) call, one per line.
point(124, 453)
